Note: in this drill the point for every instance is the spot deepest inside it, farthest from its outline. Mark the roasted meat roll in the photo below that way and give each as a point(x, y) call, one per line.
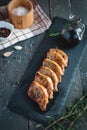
point(54, 66)
point(62, 53)
point(46, 82)
point(57, 58)
point(48, 72)
point(39, 94)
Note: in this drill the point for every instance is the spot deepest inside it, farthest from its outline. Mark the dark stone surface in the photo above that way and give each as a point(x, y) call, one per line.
point(13, 68)
point(27, 108)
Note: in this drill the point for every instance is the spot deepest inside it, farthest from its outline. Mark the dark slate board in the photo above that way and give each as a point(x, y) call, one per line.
point(21, 104)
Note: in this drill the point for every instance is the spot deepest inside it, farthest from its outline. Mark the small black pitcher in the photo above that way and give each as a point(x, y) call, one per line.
point(73, 32)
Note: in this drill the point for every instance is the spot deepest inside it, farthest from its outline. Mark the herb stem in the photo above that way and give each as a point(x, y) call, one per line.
point(79, 115)
point(54, 34)
point(74, 111)
point(78, 102)
point(59, 119)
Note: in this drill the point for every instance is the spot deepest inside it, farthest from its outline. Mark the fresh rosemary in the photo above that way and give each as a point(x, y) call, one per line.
point(69, 118)
point(54, 34)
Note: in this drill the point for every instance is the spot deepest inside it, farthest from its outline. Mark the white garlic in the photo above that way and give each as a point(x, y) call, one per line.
point(18, 47)
point(7, 54)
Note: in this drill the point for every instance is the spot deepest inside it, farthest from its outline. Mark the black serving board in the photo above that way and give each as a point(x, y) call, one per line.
point(24, 106)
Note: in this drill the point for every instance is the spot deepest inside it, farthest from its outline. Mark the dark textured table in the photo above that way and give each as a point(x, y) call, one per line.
point(13, 67)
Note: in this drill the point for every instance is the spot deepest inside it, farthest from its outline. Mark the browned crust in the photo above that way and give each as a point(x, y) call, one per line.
point(47, 78)
point(54, 66)
point(41, 98)
point(57, 58)
point(46, 82)
point(62, 53)
point(48, 72)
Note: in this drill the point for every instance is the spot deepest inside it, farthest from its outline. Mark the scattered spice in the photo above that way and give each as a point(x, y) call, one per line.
point(2, 68)
point(15, 57)
point(17, 83)
point(4, 32)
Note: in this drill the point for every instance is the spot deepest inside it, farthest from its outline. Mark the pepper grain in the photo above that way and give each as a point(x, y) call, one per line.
point(4, 32)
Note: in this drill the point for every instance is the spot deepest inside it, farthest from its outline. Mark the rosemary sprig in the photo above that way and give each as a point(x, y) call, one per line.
point(60, 119)
point(79, 115)
point(54, 34)
point(71, 115)
point(81, 99)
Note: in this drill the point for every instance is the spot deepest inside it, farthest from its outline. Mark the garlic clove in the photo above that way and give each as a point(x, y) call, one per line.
point(7, 54)
point(18, 47)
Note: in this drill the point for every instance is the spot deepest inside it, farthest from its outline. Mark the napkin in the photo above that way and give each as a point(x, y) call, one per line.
point(41, 24)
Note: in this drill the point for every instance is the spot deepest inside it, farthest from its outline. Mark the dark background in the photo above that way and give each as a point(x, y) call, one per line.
point(13, 68)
